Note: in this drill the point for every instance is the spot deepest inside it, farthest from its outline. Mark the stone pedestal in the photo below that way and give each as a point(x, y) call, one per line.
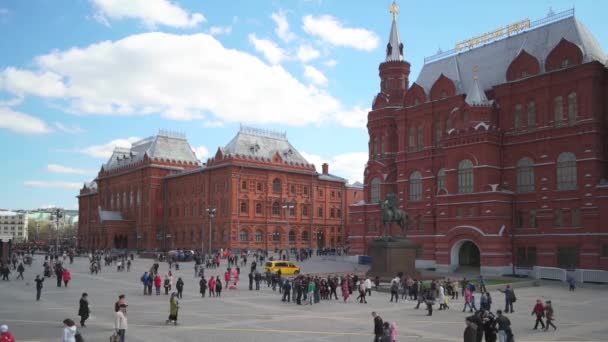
point(391, 255)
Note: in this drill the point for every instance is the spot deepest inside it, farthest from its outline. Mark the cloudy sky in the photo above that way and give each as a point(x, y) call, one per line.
point(78, 77)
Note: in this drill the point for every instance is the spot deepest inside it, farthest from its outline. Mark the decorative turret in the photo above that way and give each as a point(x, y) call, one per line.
point(395, 71)
point(476, 97)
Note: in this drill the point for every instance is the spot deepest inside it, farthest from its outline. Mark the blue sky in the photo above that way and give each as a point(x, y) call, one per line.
point(80, 76)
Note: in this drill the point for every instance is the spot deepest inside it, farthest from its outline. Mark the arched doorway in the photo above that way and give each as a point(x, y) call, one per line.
point(465, 256)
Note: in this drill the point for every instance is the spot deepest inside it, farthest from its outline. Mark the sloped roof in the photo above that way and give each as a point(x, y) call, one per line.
point(332, 178)
point(165, 145)
point(494, 58)
point(263, 144)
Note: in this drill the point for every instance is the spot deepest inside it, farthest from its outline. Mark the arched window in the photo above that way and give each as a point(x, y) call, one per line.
point(243, 236)
point(525, 175)
point(518, 115)
point(244, 207)
point(276, 186)
point(412, 139)
point(276, 236)
point(558, 110)
point(276, 209)
point(258, 236)
point(531, 114)
point(375, 191)
point(566, 171)
point(415, 186)
point(448, 123)
point(572, 108)
point(376, 145)
point(465, 177)
point(304, 236)
point(292, 236)
point(441, 179)
point(258, 208)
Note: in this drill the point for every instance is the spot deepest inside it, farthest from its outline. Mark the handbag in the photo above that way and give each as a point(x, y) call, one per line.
point(114, 338)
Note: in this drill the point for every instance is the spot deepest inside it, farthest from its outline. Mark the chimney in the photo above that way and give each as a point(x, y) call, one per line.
point(325, 168)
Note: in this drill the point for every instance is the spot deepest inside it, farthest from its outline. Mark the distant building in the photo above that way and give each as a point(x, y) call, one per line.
point(497, 152)
point(157, 195)
point(14, 224)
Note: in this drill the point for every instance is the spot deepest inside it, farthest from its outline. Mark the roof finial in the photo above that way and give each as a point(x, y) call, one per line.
point(475, 71)
point(394, 10)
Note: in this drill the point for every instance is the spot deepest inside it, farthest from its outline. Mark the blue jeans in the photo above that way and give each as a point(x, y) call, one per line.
point(121, 335)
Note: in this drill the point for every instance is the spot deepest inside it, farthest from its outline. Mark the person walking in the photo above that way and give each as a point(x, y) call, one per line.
point(251, 281)
point(362, 290)
point(218, 286)
point(20, 270)
point(504, 327)
point(212, 286)
point(180, 287)
point(173, 308)
point(311, 291)
point(441, 298)
point(202, 285)
point(470, 332)
point(5, 334)
point(482, 284)
point(258, 279)
point(286, 291)
point(395, 289)
point(67, 276)
point(571, 283)
point(143, 280)
point(539, 311)
point(468, 299)
point(378, 327)
point(83, 309)
point(509, 298)
point(158, 282)
point(167, 284)
point(368, 287)
point(120, 322)
point(69, 331)
point(39, 283)
point(549, 314)
point(344, 289)
point(489, 326)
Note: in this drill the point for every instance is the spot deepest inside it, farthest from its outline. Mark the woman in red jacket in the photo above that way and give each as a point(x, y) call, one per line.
point(66, 277)
point(157, 283)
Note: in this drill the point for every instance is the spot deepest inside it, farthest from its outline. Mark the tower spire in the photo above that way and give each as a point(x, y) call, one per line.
point(394, 48)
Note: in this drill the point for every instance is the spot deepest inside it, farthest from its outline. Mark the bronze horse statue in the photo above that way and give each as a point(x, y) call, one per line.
point(392, 214)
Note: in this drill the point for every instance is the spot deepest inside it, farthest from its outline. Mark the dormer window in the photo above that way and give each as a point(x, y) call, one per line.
point(443, 94)
point(565, 63)
point(524, 73)
point(416, 101)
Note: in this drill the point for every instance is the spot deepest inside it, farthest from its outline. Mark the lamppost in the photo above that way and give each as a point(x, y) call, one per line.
point(211, 213)
point(289, 206)
point(58, 214)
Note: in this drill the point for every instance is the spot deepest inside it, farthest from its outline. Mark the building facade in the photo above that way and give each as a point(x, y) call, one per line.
point(497, 151)
point(257, 192)
point(14, 224)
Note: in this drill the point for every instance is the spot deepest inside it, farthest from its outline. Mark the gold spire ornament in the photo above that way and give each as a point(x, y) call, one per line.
point(394, 10)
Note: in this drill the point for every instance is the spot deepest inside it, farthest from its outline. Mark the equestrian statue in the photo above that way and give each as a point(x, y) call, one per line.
point(391, 213)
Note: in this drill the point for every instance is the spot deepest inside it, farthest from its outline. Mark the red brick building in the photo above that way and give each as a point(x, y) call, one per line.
point(497, 151)
point(156, 195)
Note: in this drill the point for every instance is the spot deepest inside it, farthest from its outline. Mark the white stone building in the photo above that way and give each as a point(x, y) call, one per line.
point(14, 224)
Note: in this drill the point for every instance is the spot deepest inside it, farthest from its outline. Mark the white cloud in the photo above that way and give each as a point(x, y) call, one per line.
point(197, 78)
point(150, 12)
point(71, 129)
point(347, 165)
point(330, 30)
point(330, 63)
point(21, 122)
point(105, 151)
point(307, 53)
point(271, 51)
point(56, 168)
point(314, 75)
point(213, 124)
point(202, 153)
point(53, 184)
point(48, 206)
point(282, 29)
point(217, 30)
point(353, 118)
point(45, 83)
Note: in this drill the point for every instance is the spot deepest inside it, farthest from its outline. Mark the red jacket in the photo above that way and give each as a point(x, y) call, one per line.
point(66, 275)
point(539, 309)
point(7, 337)
point(157, 281)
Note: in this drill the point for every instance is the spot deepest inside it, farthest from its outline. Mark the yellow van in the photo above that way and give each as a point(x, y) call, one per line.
point(286, 267)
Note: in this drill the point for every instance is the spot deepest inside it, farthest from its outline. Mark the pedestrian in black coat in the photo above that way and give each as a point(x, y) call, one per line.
point(203, 286)
point(83, 309)
point(378, 328)
point(180, 287)
point(39, 282)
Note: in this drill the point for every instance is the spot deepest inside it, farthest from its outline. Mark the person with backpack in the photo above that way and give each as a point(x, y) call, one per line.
point(143, 280)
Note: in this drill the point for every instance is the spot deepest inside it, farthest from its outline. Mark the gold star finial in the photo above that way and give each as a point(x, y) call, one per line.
point(394, 10)
point(475, 71)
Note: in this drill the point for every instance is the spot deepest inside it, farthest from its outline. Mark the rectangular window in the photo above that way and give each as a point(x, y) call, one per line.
point(420, 138)
point(339, 213)
point(568, 257)
point(576, 217)
point(533, 219)
point(244, 185)
point(558, 218)
point(292, 189)
point(526, 256)
point(305, 190)
point(518, 114)
point(558, 110)
point(333, 195)
point(531, 114)
point(292, 210)
point(459, 212)
point(332, 212)
point(519, 219)
point(472, 211)
point(320, 212)
point(412, 139)
point(305, 211)
point(259, 186)
point(572, 108)
point(244, 207)
point(605, 251)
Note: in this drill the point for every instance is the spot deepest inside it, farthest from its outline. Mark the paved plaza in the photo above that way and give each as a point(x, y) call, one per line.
point(243, 315)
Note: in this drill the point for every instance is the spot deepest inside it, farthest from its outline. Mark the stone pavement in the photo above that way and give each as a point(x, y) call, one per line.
point(243, 315)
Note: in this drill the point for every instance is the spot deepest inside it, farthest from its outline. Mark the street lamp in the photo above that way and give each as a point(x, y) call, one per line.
point(58, 214)
point(211, 213)
point(289, 206)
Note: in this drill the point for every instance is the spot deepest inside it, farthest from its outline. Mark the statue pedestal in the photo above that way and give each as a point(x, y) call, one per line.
point(391, 255)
